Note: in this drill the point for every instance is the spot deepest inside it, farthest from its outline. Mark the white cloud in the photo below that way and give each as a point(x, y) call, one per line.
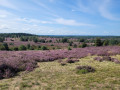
point(33, 21)
point(70, 22)
point(103, 9)
point(6, 3)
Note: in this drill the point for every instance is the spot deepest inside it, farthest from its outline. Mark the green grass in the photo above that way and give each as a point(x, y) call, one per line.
point(54, 76)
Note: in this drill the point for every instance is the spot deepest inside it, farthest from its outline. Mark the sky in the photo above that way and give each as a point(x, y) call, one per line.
point(60, 17)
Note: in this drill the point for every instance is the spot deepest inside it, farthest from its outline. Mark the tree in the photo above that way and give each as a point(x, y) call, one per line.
point(1, 39)
point(22, 47)
point(2, 47)
point(106, 43)
point(35, 40)
point(28, 46)
point(6, 46)
point(64, 40)
point(70, 43)
point(69, 48)
point(75, 46)
point(83, 45)
point(98, 42)
point(44, 48)
point(81, 40)
point(15, 48)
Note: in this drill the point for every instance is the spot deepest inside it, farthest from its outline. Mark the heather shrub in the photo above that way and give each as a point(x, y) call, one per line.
point(84, 69)
point(107, 58)
point(98, 59)
point(7, 71)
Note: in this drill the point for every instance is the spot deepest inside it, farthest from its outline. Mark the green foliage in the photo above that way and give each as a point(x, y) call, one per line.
point(69, 48)
point(6, 46)
point(113, 42)
point(2, 39)
point(28, 46)
point(11, 44)
point(98, 42)
point(22, 47)
point(15, 49)
point(2, 47)
point(82, 71)
point(70, 43)
point(81, 40)
point(64, 40)
point(83, 45)
point(75, 46)
point(52, 45)
point(106, 43)
point(44, 48)
point(42, 40)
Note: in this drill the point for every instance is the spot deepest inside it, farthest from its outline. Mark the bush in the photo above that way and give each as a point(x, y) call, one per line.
point(22, 47)
point(6, 46)
point(44, 48)
point(107, 58)
point(6, 71)
point(2, 47)
point(84, 69)
point(83, 45)
point(69, 48)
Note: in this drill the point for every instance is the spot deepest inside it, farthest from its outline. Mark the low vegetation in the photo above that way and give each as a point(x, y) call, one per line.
point(68, 63)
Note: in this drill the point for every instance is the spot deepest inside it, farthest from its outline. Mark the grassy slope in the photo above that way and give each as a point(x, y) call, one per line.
point(53, 76)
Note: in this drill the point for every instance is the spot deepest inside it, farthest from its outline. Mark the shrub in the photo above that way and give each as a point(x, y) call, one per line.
point(15, 48)
point(98, 42)
point(2, 47)
point(69, 48)
point(44, 48)
point(6, 46)
point(83, 45)
point(7, 71)
point(107, 58)
point(22, 47)
point(98, 59)
point(84, 69)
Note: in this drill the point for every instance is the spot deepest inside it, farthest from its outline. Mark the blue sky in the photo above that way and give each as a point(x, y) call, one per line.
point(60, 17)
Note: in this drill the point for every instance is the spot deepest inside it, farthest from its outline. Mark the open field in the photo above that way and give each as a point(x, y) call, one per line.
point(53, 76)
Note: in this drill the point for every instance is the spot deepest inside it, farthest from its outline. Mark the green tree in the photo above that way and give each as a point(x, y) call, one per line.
point(83, 45)
point(64, 40)
point(44, 48)
point(106, 43)
point(6, 46)
point(75, 45)
point(22, 47)
point(98, 42)
point(28, 46)
point(2, 47)
point(69, 48)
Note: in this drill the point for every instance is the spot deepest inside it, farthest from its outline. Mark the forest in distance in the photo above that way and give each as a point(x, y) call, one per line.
point(24, 41)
